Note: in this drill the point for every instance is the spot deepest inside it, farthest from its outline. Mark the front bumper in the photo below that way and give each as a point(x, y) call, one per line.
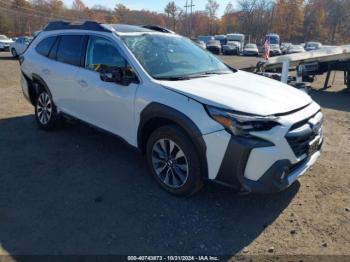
point(280, 175)
point(214, 49)
point(5, 47)
point(268, 163)
point(275, 53)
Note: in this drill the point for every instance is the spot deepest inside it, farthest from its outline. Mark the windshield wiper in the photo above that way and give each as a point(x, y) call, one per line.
point(191, 76)
point(172, 78)
point(215, 73)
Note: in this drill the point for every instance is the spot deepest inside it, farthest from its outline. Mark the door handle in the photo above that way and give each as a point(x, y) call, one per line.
point(82, 83)
point(46, 71)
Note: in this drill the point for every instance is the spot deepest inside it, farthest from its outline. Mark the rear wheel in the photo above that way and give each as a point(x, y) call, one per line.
point(45, 110)
point(174, 161)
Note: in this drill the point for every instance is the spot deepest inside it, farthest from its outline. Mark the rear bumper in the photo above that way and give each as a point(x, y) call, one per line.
point(25, 87)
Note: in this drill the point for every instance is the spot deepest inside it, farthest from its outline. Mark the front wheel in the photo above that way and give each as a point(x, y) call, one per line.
point(174, 161)
point(45, 111)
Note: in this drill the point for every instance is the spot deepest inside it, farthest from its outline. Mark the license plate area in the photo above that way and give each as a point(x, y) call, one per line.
point(313, 146)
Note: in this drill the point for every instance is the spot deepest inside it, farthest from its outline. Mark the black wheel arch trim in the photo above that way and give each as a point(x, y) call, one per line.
point(231, 171)
point(37, 78)
point(160, 111)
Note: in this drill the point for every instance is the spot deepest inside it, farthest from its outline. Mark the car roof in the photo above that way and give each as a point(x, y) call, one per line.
point(123, 28)
point(95, 26)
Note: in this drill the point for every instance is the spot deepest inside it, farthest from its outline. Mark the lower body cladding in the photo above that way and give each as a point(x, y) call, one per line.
point(256, 165)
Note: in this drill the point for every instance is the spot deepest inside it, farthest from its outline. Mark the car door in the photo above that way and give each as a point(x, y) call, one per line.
point(103, 103)
point(66, 60)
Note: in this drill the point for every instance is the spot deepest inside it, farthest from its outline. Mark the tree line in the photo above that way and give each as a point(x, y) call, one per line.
point(327, 21)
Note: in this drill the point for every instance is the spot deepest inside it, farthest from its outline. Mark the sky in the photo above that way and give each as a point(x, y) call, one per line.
point(152, 5)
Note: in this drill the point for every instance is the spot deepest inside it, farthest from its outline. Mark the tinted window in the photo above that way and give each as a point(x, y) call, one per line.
point(70, 49)
point(45, 45)
point(53, 52)
point(101, 52)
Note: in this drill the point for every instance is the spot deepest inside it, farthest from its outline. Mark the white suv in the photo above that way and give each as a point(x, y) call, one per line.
point(194, 117)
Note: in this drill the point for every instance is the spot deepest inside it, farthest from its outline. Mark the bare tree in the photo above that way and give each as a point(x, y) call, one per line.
point(212, 8)
point(172, 12)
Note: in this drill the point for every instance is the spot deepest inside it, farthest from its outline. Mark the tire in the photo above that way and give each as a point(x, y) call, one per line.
point(45, 110)
point(14, 53)
point(179, 172)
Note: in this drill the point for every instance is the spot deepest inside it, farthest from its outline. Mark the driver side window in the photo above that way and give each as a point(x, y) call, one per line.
point(101, 53)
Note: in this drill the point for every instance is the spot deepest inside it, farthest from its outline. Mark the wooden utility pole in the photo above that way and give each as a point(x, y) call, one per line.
point(189, 5)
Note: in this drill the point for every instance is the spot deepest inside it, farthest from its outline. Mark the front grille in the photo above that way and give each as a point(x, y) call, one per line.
point(302, 133)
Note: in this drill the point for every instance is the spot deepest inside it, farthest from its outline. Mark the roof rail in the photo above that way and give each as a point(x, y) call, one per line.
point(83, 25)
point(158, 29)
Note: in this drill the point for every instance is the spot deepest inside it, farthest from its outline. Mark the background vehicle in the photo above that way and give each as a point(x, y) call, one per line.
point(200, 44)
point(274, 41)
point(20, 45)
point(251, 50)
point(214, 46)
point(222, 39)
point(231, 48)
point(284, 47)
point(236, 37)
point(205, 38)
point(312, 46)
point(193, 117)
point(293, 49)
point(5, 43)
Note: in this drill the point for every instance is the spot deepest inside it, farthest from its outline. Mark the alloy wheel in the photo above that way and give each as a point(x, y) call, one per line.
point(44, 108)
point(170, 163)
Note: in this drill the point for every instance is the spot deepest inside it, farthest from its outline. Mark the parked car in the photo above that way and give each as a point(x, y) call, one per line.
point(194, 117)
point(20, 45)
point(5, 43)
point(284, 47)
point(312, 46)
point(205, 38)
point(201, 44)
point(214, 46)
point(293, 49)
point(275, 50)
point(231, 48)
point(251, 50)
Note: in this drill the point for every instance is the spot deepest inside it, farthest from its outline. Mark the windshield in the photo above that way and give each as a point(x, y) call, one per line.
point(3, 37)
point(250, 46)
point(164, 56)
point(233, 43)
point(273, 40)
point(312, 45)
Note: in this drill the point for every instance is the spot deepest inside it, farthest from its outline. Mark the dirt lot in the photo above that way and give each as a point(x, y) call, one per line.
point(79, 191)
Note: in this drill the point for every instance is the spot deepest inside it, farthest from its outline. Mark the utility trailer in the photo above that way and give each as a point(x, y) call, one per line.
point(307, 65)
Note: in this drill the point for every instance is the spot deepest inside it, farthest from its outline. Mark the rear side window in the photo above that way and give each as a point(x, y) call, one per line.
point(70, 49)
point(45, 45)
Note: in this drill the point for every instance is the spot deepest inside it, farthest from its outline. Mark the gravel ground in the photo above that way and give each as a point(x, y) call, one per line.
point(79, 191)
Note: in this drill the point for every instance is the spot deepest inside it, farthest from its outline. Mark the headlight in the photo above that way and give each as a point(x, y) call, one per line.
point(240, 124)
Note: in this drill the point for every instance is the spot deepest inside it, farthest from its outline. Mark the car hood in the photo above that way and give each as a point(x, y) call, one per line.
point(242, 91)
point(6, 41)
point(251, 49)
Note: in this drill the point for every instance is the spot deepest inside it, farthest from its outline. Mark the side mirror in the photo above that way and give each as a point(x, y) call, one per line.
point(121, 76)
